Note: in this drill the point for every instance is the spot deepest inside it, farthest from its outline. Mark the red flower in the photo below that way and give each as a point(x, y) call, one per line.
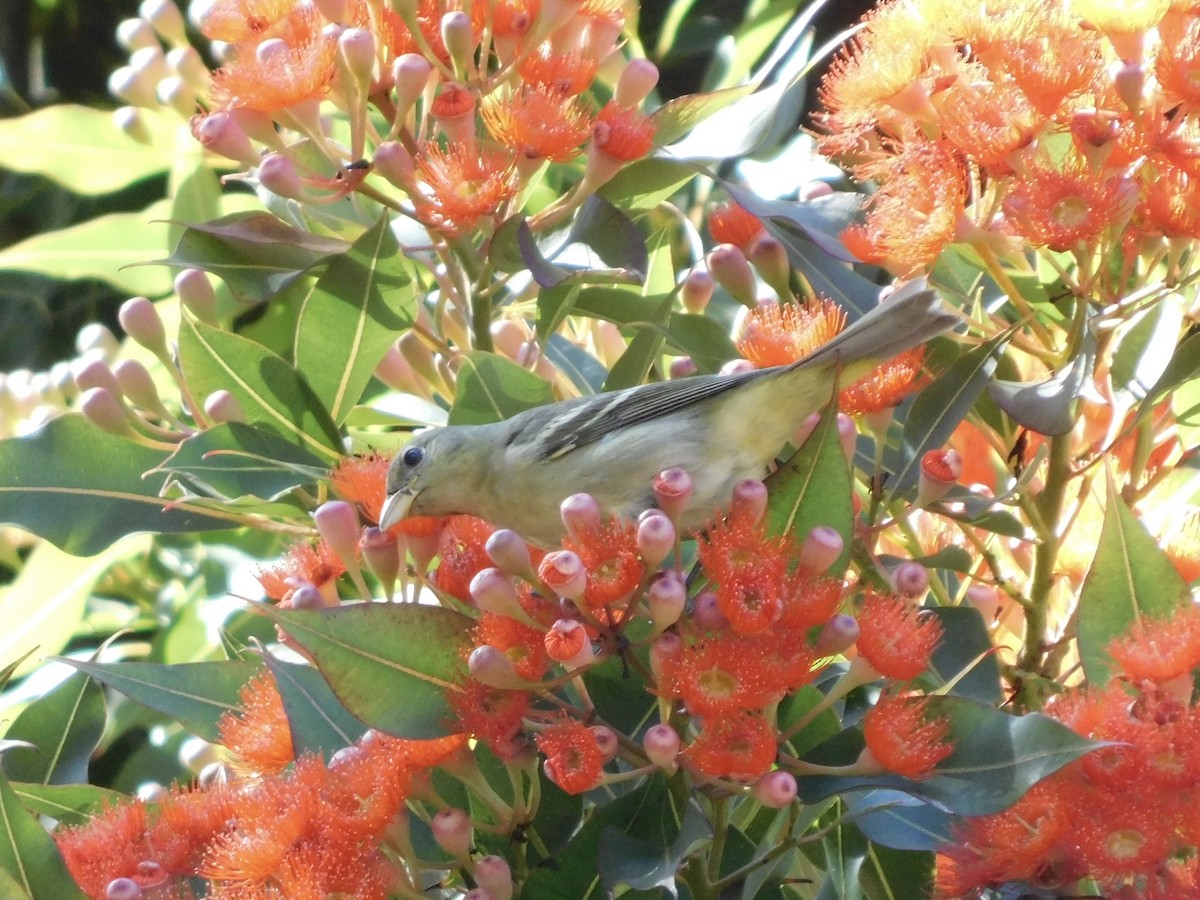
point(463, 552)
point(623, 134)
point(259, 735)
point(538, 123)
point(732, 223)
point(458, 186)
point(777, 334)
point(574, 760)
point(895, 638)
point(903, 738)
point(740, 747)
point(310, 563)
point(610, 557)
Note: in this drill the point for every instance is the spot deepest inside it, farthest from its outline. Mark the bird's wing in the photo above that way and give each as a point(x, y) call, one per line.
point(601, 415)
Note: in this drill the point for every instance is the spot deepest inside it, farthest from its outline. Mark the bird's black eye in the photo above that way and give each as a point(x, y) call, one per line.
point(413, 456)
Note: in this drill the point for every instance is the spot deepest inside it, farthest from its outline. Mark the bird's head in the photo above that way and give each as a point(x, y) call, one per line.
point(433, 474)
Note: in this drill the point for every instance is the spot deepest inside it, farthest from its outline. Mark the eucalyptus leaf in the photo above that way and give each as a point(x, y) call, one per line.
point(28, 853)
point(69, 804)
point(65, 725)
point(966, 647)
point(899, 820)
point(491, 388)
point(626, 859)
point(1048, 406)
point(1145, 351)
point(318, 722)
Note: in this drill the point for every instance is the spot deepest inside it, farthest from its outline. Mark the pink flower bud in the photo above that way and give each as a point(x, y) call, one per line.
point(306, 596)
point(696, 291)
point(940, 471)
point(581, 516)
point(771, 260)
point(986, 599)
point(140, 319)
point(123, 889)
point(637, 80)
point(510, 553)
point(222, 406)
point(130, 121)
point(381, 552)
point(606, 740)
point(749, 501)
point(910, 579)
point(682, 367)
point(133, 34)
point(562, 571)
point(453, 832)
point(837, 635)
point(150, 873)
point(706, 614)
point(101, 408)
point(137, 384)
point(493, 874)
point(738, 367)
point(655, 539)
point(807, 427)
point(730, 268)
point(776, 790)
point(166, 19)
point(220, 133)
point(1129, 78)
point(666, 598)
point(672, 491)
point(847, 434)
point(277, 173)
point(566, 641)
point(424, 547)
point(492, 667)
point(493, 591)
point(664, 653)
point(661, 743)
point(410, 74)
point(95, 373)
point(196, 293)
point(337, 523)
point(356, 48)
point(821, 549)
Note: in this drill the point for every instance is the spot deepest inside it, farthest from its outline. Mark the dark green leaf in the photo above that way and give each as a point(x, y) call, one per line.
point(70, 804)
point(492, 388)
point(647, 182)
point(82, 488)
point(254, 253)
point(269, 390)
point(701, 338)
point(896, 874)
point(1131, 580)
point(319, 723)
point(966, 643)
point(624, 307)
point(845, 851)
point(997, 757)
point(28, 853)
point(194, 694)
point(627, 859)
point(634, 365)
point(390, 664)
point(899, 820)
point(1047, 407)
point(602, 245)
point(65, 726)
point(585, 371)
point(360, 305)
point(234, 460)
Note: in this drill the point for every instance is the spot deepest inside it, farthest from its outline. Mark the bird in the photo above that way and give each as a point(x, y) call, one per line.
point(720, 429)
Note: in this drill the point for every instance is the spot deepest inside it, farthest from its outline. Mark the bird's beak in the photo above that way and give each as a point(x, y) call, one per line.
point(395, 508)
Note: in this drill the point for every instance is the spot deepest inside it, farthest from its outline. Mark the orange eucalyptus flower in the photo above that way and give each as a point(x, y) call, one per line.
point(258, 735)
point(537, 123)
point(896, 638)
point(732, 223)
point(566, 74)
point(574, 760)
point(740, 747)
point(307, 563)
point(623, 134)
point(234, 21)
point(903, 738)
point(1065, 205)
point(886, 386)
point(776, 334)
point(456, 187)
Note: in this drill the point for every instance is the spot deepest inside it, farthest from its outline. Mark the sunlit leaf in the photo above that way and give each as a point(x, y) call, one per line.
point(1047, 406)
point(491, 388)
point(65, 726)
point(28, 853)
point(70, 804)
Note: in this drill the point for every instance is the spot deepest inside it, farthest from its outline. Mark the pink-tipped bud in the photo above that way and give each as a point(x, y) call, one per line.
point(706, 614)
point(337, 523)
point(381, 552)
point(220, 133)
point(940, 471)
point(222, 406)
point(666, 598)
point(567, 642)
point(132, 123)
point(166, 19)
point(306, 596)
point(458, 38)
point(453, 832)
point(137, 384)
point(277, 173)
point(410, 74)
point(732, 271)
point(664, 654)
point(509, 337)
point(101, 408)
point(606, 740)
point(910, 579)
point(1129, 78)
point(134, 34)
point(655, 539)
point(196, 293)
point(356, 48)
point(776, 790)
point(770, 258)
point(123, 889)
point(672, 490)
point(661, 743)
point(682, 367)
point(494, 591)
point(986, 599)
point(748, 502)
point(130, 86)
point(510, 553)
point(394, 371)
point(821, 549)
point(738, 367)
point(151, 873)
point(492, 873)
point(492, 667)
point(837, 635)
point(696, 291)
point(95, 373)
point(562, 571)
point(637, 80)
point(141, 321)
point(847, 434)
point(805, 429)
point(581, 516)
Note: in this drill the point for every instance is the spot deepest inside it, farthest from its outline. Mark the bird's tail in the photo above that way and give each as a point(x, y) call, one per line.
point(903, 321)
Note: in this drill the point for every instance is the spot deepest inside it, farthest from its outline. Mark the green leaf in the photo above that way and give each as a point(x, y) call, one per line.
point(70, 804)
point(635, 363)
point(82, 488)
point(110, 248)
point(1144, 353)
point(234, 460)
point(966, 643)
point(195, 193)
point(628, 859)
point(1047, 406)
point(585, 371)
point(644, 184)
point(899, 820)
point(813, 488)
point(897, 875)
point(701, 338)
point(319, 723)
point(268, 389)
point(492, 388)
point(621, 306)
point(820, 221)
point(83, 150)
point(194, 694)
point(997, 757)
point(680, 115)
point(360, 304)
point(390, 664)
point(1131, 580)
point(29, 854)
point(65, 726)
point(254, 253)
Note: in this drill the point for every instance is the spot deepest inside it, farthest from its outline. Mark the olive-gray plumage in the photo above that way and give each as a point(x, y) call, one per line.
point(719, 428)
